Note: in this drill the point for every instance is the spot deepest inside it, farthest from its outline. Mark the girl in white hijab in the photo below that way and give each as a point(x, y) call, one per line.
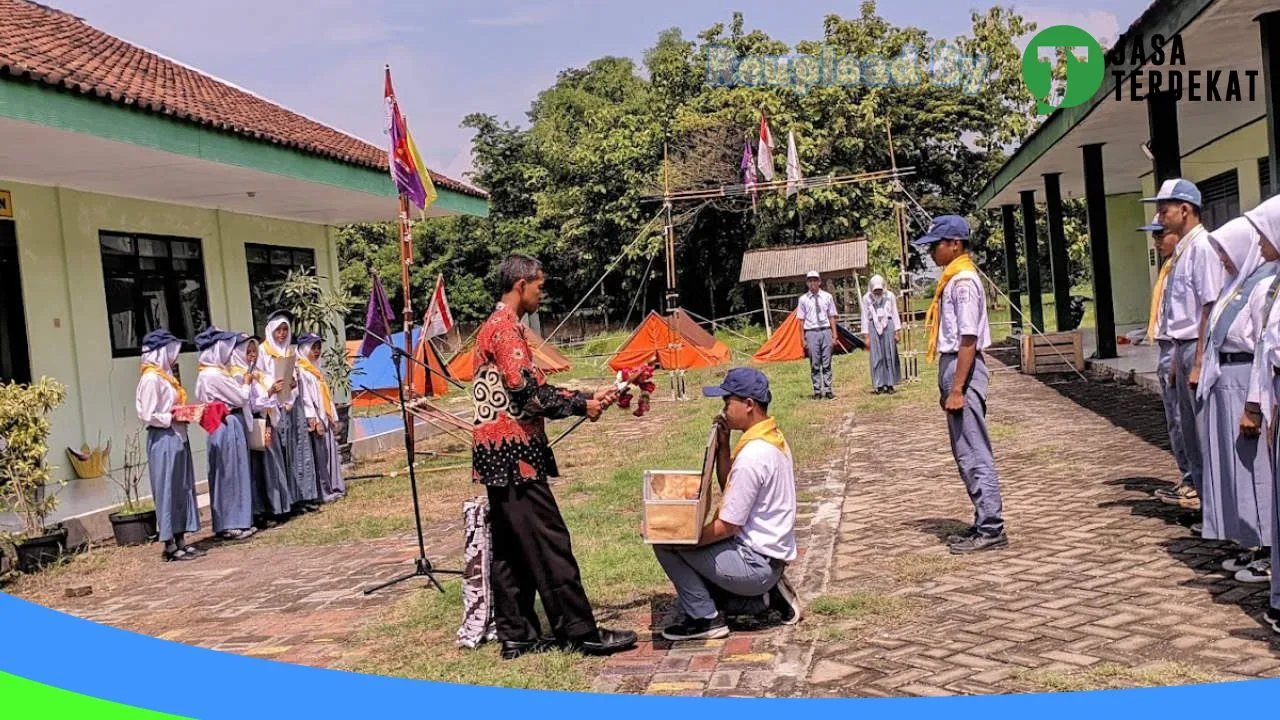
point(880, 324)
point(1237, 488)
point(169, 467)
point(267, 501)
point(322, 418)
point(1260, 412)
point(230, 482)
point(291, 432)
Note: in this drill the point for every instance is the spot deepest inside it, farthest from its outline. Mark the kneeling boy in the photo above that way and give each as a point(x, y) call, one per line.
point(737, 568)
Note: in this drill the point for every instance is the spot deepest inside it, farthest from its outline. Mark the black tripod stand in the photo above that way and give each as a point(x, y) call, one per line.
point(422, 566)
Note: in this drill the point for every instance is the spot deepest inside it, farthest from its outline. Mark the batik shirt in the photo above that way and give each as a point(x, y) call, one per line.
point(512, 400)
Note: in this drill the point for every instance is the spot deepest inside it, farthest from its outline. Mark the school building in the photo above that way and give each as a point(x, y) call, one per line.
point(138, 192)
point(1118, 146)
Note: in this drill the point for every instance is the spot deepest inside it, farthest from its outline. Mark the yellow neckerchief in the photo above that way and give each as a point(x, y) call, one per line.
point(1157, 292)
point(169, 378)
point(305, 364)
point(272, 351)
point(766, 430)
point(934, 317)
point(216, 368)
point(255, 377)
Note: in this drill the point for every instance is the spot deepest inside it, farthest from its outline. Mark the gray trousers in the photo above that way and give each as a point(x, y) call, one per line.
point(1170, 400)
point(970, 444)
point(819, 344)
point(728, 575)
point(1189, 408)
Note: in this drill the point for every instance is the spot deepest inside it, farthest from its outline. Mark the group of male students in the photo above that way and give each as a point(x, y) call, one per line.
point(735, 576)
point(297, 469)
point(1215, 319)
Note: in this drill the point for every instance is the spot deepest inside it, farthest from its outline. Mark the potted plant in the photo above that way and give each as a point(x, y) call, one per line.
point(24, 471)
point(322, 311)
point(135, 522)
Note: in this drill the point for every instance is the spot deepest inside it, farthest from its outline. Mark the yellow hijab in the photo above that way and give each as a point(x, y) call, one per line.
point(934, 317)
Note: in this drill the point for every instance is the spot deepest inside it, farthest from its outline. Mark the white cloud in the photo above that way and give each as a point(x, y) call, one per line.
point(1101, 24)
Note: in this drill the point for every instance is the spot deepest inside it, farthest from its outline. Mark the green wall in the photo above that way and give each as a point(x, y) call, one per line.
point(65, 301)
point(1131, 279)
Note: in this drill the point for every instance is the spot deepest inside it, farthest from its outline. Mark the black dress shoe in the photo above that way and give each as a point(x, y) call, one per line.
point(604, 642)
point(512, 649)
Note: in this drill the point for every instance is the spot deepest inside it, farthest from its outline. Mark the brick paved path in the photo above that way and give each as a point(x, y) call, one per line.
point(1099, 575)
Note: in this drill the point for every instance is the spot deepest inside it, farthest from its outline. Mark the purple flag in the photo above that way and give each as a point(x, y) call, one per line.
point(376, 318)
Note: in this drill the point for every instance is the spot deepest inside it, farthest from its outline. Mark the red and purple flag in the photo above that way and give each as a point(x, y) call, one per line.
point(411, 176)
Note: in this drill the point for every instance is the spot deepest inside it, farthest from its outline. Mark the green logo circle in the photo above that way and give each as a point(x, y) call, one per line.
point(1083, 77)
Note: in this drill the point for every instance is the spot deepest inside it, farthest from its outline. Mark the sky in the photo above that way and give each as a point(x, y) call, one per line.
point(449, 58)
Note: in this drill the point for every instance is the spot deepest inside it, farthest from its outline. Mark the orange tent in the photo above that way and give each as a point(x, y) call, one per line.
point(677, 341)
point(427, 354)
point(545, 355)
point(787, 342)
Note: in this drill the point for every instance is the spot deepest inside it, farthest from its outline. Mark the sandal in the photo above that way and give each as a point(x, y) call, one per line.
point(179, 555)
point(194, 551)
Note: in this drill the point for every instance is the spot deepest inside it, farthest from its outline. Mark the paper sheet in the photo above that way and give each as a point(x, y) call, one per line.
point(284, 371)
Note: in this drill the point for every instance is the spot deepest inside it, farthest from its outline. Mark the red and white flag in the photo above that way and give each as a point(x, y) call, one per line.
point(439, 320)
point(764, 156)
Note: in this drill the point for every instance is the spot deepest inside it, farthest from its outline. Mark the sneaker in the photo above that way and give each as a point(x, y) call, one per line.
point(1240, 562)
point(785, 601)
point(1272, 618)
point(963, 535)
point(697, 629)
point(979, 543)
point(1258, 571)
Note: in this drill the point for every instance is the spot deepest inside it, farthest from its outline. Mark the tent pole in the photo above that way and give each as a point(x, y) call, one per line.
point(764, 304)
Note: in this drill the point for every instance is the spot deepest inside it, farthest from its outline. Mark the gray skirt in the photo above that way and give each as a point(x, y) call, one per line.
point(277, 485)
point(884, 358)
point(173, 482)
point(328, 466)
point(1236, 499)
point(230, 481)
point(302, 462)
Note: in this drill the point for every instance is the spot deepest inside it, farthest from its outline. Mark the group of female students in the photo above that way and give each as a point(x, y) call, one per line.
point(293, 468)
point(1237, 388)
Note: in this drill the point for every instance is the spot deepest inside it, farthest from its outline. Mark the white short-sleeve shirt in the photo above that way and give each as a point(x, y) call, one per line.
point(760, 498)
point(816, 311)
point(1195, 281)
point(963, 312)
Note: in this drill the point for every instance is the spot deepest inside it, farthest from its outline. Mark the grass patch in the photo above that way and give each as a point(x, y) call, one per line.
point(1112, 676)
point(1002, 430)
point(915, 568)
point(861, 605)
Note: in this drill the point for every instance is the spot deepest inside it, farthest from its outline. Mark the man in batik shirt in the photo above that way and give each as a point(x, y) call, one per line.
point(512, 458)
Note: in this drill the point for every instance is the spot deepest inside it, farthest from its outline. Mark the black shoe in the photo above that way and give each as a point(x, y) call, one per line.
point(178, 555)
point(1272, 618)
point(604, 642)
point(829, 396)
point(193, 550)
point(512, 649)
point(890, 390)
point(963, 535)
point(697, 629)
point(979, 543)
point(784, 600)
point(817, 396)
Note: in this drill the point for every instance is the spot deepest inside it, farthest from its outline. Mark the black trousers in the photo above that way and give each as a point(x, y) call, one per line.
point(532, 555)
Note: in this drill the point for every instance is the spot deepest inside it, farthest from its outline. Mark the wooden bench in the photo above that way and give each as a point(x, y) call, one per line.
point(1052, 353)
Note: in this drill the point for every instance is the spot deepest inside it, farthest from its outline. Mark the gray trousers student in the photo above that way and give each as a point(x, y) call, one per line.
point(728, 576)
point(819, 344)
point(1170, 399)
point(971, 445)
point(1189, 406)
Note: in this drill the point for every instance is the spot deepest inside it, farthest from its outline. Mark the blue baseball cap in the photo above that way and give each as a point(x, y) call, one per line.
point(742, 382)
point(1179, 190)
point(1153, 226)
point(944, 227)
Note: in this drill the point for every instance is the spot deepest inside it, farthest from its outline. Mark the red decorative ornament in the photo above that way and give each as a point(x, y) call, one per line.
point(640, 377)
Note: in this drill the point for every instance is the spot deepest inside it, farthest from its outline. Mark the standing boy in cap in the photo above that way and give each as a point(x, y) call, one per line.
point(1166, 243)
point(737, 566)
point(958, 333)
point(816, 311)
point(1193, 285)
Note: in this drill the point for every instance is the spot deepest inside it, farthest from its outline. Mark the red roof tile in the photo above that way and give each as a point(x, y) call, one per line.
point(59, 49)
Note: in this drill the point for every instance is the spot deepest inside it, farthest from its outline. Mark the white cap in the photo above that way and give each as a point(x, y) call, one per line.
point(813, 275)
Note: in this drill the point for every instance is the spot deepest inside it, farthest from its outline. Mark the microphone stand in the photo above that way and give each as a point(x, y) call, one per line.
point(422, 567)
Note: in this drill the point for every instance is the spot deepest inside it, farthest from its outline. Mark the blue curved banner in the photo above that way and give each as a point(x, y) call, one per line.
point(64, 652)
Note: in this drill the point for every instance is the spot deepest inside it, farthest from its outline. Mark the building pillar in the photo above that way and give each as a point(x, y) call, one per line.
point(1058, 260)
point(1033, 258)
point(1095, 197)
point(1269, 26)
point(1162, 123)
point(1011, 268)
